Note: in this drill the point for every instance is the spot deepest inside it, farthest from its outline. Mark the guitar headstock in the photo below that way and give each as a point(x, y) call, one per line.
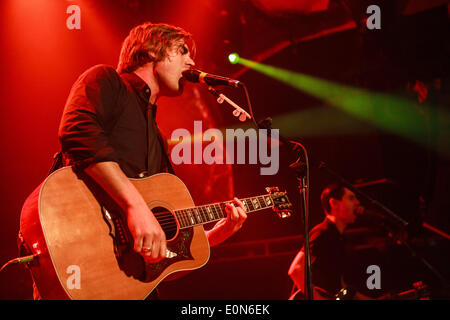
point(281, 204)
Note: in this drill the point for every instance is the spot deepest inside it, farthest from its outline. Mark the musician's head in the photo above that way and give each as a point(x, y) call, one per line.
point(340, 203)
point(165, 48)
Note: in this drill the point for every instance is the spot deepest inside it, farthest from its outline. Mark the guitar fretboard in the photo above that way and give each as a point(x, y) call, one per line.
point(212, 212)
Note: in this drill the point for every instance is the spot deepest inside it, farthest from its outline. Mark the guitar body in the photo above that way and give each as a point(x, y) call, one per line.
point(85, 249)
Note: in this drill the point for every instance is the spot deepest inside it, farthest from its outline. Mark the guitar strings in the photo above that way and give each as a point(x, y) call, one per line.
point(167, 218)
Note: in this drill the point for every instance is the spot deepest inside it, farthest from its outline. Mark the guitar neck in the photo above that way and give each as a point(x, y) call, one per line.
point(212, 212)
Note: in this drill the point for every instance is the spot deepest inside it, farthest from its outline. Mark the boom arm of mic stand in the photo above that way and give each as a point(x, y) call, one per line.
point(363, 195)
point(221, 97)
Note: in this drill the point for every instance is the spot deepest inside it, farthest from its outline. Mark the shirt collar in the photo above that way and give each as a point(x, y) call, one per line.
point(333, 224)
point(141, 88)
point(137, 83)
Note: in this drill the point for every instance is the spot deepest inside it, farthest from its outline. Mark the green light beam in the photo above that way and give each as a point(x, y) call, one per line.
point(388, 112)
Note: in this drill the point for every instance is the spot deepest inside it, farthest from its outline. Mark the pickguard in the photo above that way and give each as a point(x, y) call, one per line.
point(133, 263)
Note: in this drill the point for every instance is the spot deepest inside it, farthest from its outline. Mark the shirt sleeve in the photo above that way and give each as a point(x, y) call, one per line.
point(318, 243)
point(88, 116)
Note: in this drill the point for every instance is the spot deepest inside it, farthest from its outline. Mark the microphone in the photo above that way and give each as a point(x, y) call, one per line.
point(360, 210)
point(377, 217)
point(368, 212)
point(196, 76)
point(371, 213)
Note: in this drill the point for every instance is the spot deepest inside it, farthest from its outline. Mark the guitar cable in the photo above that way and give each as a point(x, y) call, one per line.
point(24, 259)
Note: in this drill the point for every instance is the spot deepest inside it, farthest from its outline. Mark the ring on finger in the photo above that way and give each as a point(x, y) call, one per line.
point(146, 249)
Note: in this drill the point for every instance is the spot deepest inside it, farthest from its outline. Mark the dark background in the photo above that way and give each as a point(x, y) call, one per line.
point(41, 58)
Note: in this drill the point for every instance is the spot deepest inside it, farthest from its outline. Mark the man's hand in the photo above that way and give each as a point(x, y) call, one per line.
point(236, 215)
point(225, 228)
point(149, 237)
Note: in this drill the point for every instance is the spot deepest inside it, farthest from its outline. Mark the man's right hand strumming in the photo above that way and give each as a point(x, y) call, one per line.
point(149, 238)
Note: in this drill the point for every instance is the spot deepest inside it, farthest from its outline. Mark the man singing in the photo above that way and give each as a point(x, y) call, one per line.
point(108, 129)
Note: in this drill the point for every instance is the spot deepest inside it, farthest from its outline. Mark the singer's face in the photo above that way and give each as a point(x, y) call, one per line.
point(346, 207)
point(169, 71)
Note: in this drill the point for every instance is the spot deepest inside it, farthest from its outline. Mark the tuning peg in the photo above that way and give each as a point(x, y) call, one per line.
point(283, 214)
point(272, 189)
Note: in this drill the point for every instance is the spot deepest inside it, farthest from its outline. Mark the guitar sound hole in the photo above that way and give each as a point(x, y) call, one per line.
point(167, 221)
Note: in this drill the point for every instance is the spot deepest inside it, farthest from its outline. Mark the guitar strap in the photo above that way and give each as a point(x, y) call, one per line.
point(57, 162)
point(164, 151)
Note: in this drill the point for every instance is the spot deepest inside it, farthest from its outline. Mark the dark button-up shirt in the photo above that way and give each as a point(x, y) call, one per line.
point(108, 117)
point(327, 248)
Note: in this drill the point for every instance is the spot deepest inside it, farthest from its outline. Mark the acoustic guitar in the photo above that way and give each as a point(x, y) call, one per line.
point(85, 250)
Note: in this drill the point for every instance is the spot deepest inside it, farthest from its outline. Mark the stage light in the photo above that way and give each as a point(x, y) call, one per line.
point(233, 58)
point(389, 112)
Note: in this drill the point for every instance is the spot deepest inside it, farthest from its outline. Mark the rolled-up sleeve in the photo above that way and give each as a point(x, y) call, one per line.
point(89, 114)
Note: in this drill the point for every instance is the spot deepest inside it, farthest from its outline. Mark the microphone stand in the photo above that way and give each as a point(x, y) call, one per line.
point(403, 224)
point(303, 187)
point(302, 171)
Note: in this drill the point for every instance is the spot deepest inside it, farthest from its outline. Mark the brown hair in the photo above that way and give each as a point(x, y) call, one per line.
point(149, 42)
